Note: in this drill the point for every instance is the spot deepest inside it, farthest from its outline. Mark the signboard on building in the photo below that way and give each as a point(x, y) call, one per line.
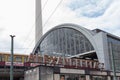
point(14, 64)
point(63, 62)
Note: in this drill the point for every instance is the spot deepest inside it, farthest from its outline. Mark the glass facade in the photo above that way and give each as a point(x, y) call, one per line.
point(115, 50)
point(65, 41)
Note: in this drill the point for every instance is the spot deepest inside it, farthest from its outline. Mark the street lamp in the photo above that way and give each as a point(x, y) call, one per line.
point(11, 67)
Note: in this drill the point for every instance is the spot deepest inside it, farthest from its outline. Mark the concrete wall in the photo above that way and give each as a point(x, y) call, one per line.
point(46, 73)
point(32, 74)
point(102, 45)
point(39, 73)
point(56, 76)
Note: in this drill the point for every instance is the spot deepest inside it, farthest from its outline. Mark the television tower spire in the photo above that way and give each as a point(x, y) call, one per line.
point(38, 21)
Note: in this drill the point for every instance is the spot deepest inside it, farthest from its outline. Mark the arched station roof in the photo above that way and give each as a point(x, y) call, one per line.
point(87, 33)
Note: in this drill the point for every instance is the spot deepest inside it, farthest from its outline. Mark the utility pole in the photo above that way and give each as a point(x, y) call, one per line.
point(113, 61)
point(11, 57)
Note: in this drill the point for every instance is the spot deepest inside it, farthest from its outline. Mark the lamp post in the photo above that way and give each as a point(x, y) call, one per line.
point(11, 67)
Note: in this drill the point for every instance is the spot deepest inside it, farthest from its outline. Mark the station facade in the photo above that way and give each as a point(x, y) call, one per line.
point(72, 41)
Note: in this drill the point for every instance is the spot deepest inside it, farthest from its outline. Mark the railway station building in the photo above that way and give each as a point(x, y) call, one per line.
point(72, 41)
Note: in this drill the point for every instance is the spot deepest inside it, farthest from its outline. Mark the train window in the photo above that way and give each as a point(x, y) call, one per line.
point(2, 58)
point(9, 58)
point(18, 58)
point(25, 59)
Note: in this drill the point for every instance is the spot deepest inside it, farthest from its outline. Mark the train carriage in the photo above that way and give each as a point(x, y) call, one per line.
point(18, 60)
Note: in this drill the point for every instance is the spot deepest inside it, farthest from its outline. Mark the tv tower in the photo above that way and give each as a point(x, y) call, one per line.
point(38, 21)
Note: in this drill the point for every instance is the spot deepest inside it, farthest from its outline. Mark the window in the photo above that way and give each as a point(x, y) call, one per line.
point(65, 41)
point(25, 59)
point(9, 59)
point(2, 58)
point(18, 59)
point(116, 50)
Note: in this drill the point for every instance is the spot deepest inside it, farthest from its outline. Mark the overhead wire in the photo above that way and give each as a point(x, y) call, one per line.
point(50, 14)
point(53, 12)
point(31, 43)
point(44, 5)
point(34, 24)
point(26, 38)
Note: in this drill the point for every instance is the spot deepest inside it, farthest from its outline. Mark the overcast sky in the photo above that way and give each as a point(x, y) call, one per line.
point(17, 17)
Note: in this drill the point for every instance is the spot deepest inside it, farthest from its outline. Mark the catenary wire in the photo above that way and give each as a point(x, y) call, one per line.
point(44, 5)
point(50, 15)
point(34, 24)
point(53, 12)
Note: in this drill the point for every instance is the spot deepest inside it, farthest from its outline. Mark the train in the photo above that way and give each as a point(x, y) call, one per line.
point(18, 59)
